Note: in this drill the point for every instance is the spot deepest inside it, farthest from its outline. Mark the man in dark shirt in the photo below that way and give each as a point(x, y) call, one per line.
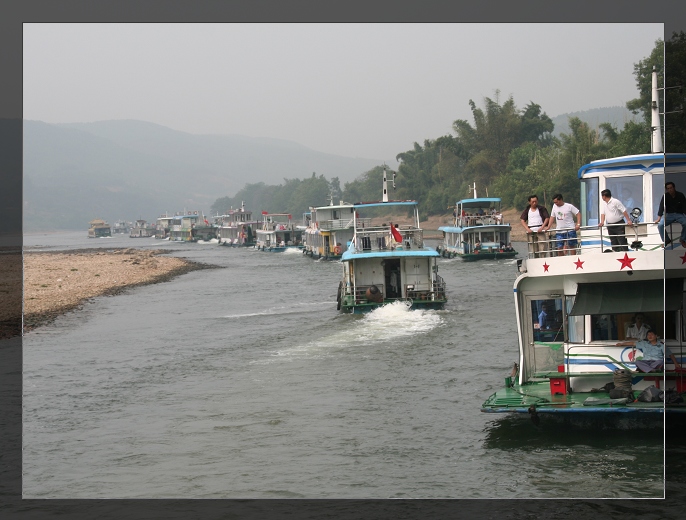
point(672, 209)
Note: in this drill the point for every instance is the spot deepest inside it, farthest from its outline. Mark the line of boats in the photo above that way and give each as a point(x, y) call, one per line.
point(573, 312)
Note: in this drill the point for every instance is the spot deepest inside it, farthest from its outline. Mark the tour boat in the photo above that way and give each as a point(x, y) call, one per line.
point(99, 229)
point(569, 356)
point(163, 227)
point(388, 263)
point(278, 233)
point(141, 229)
point(236, 228)
point(330, 228)
point(190, 226)
point(478, 231)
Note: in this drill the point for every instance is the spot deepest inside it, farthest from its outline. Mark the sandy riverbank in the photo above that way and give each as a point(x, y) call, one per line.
point(58, 282)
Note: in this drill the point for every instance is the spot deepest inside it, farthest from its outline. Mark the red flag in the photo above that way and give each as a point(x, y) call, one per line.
point(396, 234)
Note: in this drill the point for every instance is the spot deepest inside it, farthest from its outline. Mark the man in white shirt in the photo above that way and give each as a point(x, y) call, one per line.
point(534, 220)
point(614, 212)
point(565, 228)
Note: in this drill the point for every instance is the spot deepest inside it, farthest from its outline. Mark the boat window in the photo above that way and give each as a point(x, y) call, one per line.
point(547, 320)
point(618, 327)
point(487, 237)
point(589, 202)
point(575, 324)
point(628, 190)
point(545, 352)
point(658, 192)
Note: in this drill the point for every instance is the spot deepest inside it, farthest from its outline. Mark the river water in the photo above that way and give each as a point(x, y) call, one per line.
point(245, 382)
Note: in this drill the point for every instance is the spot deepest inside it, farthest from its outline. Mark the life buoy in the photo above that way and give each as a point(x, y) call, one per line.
point(337, 250)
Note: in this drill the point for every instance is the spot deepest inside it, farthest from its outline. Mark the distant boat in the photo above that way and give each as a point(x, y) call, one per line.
point(99, 229)
point(121, 226)
point(162, 227)
point(278, 233)
point(330, 229)
point(388, 263)
point(191, 226)
point(478, 231)
point(236, 228)
point(141, 229)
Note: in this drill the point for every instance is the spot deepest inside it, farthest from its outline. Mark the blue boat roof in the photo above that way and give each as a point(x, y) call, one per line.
point(427, 251)
point(478, 200)
point(645, 162)
point(389, 203)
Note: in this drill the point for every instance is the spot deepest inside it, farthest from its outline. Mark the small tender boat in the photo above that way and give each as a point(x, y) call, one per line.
point(574, 313)
point(478, 232)
point(387, 263)
point(99, 228)
point(330, 228)
point(278, 233)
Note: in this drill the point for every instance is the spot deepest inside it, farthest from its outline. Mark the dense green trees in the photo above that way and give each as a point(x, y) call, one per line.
point(507, 151)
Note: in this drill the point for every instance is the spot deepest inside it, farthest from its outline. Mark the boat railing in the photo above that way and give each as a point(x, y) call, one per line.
point(360, 291)
point(595, 239)
point(426, 291)
point(479, 220)
point(380, 239)
point(342, 223)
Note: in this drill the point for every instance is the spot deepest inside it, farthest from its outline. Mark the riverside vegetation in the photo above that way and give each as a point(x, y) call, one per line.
point(507, 151)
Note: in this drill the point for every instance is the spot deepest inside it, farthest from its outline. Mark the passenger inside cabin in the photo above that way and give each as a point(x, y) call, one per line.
point(542, 318)
point(638, 328)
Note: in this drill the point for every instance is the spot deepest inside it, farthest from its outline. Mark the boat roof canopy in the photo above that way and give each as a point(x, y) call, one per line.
point(389, 203)
point(479, 201)
point(645, 162)
point(626, 297)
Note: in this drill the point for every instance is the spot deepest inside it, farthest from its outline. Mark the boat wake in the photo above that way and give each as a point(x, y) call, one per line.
point(293, 251)
point(210, 241)
point(383, 326)
point(294, 308)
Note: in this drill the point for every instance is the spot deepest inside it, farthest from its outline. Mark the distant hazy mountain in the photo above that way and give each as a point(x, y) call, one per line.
point(125, 170)
point(617, 116)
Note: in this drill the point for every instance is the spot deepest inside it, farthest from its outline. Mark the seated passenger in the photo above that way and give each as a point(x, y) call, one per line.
point(654, 352)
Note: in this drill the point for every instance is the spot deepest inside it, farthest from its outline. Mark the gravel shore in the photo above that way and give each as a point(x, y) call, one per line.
point(58, 282)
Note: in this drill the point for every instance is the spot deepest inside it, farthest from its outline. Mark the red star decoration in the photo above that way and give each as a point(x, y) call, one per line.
point(579, 263)
point(683, 259)
point(545, 267)
point(626, 261)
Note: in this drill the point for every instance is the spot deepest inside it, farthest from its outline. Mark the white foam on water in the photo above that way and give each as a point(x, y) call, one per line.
point(293, 250)
point(293, 308)
point(384, 325)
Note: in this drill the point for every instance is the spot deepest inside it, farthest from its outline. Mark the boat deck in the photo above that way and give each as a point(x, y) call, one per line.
point(521, 399)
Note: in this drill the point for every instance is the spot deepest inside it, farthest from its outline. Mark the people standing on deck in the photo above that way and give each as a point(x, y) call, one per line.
point(565, 228)
point(672, 209)
point(534, 219)
point(615, 213)
point(654, 352)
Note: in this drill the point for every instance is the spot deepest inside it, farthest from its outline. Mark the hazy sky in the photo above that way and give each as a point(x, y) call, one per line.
point(358, 90)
